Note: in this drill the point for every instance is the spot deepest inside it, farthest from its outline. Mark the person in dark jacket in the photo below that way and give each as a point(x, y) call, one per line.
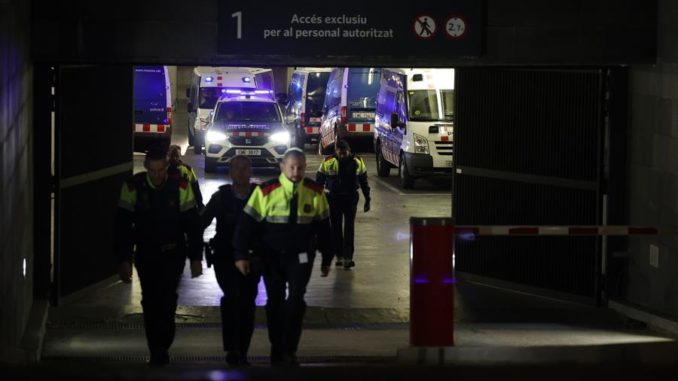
point(157, 215)
point(342, 173)
point(285, 214)
point(240, 290)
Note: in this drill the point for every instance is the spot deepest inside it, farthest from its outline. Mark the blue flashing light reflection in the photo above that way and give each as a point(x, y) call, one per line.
point(209, 79)
point(449, 280)
point(466, 236)
point(246, 79)
point(420, 280)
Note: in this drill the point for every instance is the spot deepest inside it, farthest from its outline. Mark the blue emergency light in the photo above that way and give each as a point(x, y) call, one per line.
point(209, 79)
point(246, 79)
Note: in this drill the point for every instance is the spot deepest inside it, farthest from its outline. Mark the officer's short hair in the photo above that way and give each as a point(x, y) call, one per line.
point(174, 148)
point(342, 145)
point(241, 158)
point(156, 153)
point(294, 151)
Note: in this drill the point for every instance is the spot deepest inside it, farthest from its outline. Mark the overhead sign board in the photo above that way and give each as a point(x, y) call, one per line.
point(423, 28)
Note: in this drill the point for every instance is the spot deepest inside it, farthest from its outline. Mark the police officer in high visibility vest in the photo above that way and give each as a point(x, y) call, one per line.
point(285, 214)
point(240, 291)
point(184, 170)
point(157, 227)
point(342, 173)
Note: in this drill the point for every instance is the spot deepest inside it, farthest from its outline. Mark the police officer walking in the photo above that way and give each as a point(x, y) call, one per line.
point(285, 214)
point(176, 166)
point(157, 214)
point(342, 173)
point(240, 290)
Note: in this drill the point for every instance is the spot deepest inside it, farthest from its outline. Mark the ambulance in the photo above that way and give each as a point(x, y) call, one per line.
point(414, 123)
point(208, 84)
point(152, 100)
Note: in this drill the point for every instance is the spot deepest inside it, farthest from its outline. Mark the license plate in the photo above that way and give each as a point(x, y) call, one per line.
point(363, 115)
point(448, 163)
point(248, 152)
point(314, 120)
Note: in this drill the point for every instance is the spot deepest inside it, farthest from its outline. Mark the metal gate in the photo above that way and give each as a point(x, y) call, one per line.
point(93, 156)
point(529, 152)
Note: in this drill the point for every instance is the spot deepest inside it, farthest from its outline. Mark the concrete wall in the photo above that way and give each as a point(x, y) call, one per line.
point(16, 189)
point(653, 171)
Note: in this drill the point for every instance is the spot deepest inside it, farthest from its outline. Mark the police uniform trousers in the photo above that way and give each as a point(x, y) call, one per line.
point(238, 303)
point(342, 220)
point(285, 315)
point(159, 275)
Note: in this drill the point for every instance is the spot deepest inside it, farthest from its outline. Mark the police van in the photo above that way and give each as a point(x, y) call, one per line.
point(306, 97)
point(152, 106)
point(246, 122)
point(415, 123)
point(208, 84)
point(349, 107)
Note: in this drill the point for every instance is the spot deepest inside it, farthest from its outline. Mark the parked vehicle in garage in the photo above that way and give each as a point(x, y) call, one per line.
point(348, 110)
point(306, 97)
point(152, 106)
point(415, 123)
point(247, 122)
point(208, 84)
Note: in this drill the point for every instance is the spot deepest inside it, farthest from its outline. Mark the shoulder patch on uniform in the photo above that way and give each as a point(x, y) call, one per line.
point(183, 183)
point(310, 184)
point(269, 186)
point(329, 157)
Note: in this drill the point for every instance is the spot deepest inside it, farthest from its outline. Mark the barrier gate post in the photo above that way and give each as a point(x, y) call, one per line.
point(431, 282)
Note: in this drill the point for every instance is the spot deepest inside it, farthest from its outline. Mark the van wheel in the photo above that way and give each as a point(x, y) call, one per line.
point(383, 167)
point(406, 180)
point(191, 139)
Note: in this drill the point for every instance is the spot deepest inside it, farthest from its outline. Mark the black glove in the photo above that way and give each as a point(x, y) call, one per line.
point(367, 205)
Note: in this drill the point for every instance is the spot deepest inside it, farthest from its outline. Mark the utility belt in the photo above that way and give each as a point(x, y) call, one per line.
point(211, 252)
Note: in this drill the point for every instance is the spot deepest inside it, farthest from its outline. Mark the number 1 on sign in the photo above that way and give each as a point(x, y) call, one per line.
point(238, 16)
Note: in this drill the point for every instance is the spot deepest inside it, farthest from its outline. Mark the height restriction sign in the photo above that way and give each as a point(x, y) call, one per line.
point(455, 27)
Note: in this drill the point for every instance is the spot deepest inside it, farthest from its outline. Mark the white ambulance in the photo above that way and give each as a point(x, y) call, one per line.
point(415, 123)
point(208, 85)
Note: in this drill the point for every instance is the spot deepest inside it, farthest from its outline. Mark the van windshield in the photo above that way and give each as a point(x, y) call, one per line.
point(423, 105)
point(247, 112)
point(363, 87)
point(315, 92)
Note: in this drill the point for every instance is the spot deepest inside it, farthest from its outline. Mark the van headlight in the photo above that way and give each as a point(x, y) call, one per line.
point(420, 144)
point(282, 137)
point(215, 137)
